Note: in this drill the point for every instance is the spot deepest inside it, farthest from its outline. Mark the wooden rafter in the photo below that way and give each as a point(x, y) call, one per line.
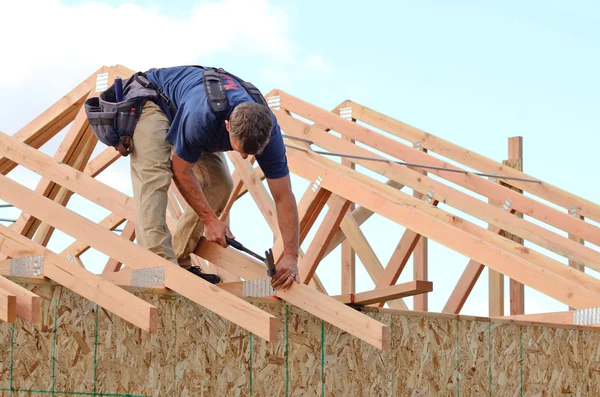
point(481, 163)
point(455, 233)
point(462, 201)
point(96, 236)
point(69, 274)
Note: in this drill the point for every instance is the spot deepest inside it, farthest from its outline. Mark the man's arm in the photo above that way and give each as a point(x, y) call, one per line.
point(287, 218)
point(188, 185)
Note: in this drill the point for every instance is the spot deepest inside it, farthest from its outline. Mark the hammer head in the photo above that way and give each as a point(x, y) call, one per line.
point(270, 262)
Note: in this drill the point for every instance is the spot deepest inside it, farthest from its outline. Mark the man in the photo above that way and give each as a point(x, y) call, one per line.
point(188, 149)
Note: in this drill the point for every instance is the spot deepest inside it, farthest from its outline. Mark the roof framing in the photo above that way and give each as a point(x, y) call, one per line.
point(339, 194)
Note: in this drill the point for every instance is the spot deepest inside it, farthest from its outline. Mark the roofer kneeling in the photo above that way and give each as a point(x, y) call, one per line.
point(175, 123)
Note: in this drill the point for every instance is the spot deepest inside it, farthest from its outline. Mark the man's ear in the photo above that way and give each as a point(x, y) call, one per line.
point(227, 125)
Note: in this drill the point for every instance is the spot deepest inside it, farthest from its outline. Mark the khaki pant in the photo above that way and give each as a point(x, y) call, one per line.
point(151, 177)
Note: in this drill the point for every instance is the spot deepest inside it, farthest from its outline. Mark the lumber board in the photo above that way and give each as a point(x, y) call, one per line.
point(257, 190)
point(476, 161)
point(420, 254)
point(28, 305)
point(361, 215)
point(88, 285)
point(45, 126)
point(362, 248)
point(77, 248)
point(450, 196)
point(8, 306)
point(200, 291)
point(520, 202)
point(564, 317)
point(548, 277)
point(113, 265)
point(338, 206)
point(105, 241)
point(381, 295)
point(338, 314)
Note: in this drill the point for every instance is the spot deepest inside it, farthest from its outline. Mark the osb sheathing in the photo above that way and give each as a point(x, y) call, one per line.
point(80, 349)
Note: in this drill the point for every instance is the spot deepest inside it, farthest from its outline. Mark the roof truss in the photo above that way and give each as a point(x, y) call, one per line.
point(338, 193)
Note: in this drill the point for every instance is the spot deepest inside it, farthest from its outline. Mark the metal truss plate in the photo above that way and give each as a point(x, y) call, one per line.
point(101, 82)
point(587, 316)
point(150, 277)
point(346, 113)
point(274, 102)
point(27, 266)
point(258, 288)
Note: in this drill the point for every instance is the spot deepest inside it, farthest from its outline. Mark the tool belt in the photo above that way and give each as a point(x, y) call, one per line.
point(111, 120)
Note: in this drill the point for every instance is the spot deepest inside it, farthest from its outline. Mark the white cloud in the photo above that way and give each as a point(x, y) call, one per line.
point(57, 41)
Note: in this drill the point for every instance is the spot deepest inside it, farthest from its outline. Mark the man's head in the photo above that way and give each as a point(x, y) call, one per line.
point(249, 127)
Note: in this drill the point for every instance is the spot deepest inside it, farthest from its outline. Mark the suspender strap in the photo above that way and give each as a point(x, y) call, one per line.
point(140, 77)
point(217, 98)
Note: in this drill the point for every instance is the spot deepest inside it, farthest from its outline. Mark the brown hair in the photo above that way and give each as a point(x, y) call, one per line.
point(251, 124)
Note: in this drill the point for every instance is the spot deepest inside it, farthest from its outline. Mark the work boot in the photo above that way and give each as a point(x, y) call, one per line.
point(211, 278)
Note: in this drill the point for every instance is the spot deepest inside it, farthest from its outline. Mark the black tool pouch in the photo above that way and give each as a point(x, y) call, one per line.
point(110, 119)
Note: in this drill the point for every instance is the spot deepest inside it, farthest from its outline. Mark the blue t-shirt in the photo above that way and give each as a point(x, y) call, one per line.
point(195, 128)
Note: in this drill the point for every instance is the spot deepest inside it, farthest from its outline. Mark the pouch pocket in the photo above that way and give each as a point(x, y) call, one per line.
point(103, 123)
point(126, 122)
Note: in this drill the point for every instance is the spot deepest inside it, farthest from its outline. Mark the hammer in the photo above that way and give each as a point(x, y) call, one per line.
point(268, 261)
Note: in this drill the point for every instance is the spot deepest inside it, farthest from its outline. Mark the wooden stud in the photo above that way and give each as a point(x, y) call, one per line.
point(381, 295)
point(576, 264)
point(28, 304)
point(348, 252)
point(8, 306)
point(420, 254)
point(515, 160)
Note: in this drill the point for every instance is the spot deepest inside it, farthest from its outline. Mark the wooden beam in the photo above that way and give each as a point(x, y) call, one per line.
point(382, 295)
point(80, 281)
point(420, 253)
point(180, 280)
point(338, 314)
point(28, 305)
point(363, 249)
point(114, 265)
point(78, 248)
point(546, 276)
point(361, 215)
point(584, 317)
point(481, 163)
point(348, 252)
point(41, 129)
point(576, 264)
point(463, 288)
point(8, 306)
point(257, 191)
point(515, 160)
point(520, 202)
point(450, 196)
point(338, 206)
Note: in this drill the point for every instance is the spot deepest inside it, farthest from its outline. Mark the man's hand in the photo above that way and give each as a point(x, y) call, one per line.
point(216, 230)
point(287, 272)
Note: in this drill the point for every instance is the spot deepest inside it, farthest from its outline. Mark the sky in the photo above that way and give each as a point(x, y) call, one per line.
point(470, 72)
